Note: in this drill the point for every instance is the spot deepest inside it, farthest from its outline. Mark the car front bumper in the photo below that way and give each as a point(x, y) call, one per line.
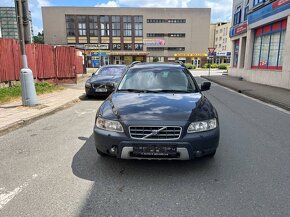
point(189, 146)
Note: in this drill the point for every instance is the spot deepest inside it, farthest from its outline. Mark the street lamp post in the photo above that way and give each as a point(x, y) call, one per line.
point(28, 91)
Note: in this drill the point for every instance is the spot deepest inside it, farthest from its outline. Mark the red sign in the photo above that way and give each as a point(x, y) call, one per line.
point(279, 3)
point(211, 51)
point(241, 29)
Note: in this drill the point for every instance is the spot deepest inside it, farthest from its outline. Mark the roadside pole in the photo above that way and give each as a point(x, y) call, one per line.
point(28, 91)
point(210, 58)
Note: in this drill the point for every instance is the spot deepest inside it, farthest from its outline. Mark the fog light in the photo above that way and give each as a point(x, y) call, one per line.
point(198, 153)
point(113, 150)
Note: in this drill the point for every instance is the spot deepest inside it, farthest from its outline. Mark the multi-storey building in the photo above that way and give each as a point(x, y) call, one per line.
point(8, 22)
point(219, 39)
point(261, 41)
point(123, 35)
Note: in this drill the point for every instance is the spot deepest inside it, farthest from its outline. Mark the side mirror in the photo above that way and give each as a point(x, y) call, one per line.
point(205, 86)
point(93, 73)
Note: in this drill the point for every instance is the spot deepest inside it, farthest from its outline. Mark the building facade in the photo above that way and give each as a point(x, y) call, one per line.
point(123, 35)
point(220, 40)
point(261, 41)
point(8, 22)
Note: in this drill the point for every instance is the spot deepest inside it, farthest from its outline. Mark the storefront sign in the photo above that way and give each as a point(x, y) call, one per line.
point(96, 46)
point(190, 55)
point(98, 53)
point(279, 3)
point(152, 42)
point(222, 54)
point(241, 29)
point(116, 47)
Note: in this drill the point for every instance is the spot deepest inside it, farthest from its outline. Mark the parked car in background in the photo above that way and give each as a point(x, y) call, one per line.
point(157, 112)
point(104, 81)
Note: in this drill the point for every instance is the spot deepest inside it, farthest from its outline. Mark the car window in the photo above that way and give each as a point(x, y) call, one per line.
point(175, 79)
point(111, 71)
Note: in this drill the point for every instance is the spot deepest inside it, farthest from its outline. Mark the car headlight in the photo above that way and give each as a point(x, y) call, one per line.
point(88, 84)
point(200, 126)
point(109, 125)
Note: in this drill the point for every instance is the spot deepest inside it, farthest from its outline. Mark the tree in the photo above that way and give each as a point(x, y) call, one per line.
point(38, 39)
point(155, 59)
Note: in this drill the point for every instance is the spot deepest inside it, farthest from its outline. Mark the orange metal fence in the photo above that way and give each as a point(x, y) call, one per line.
point(46, 62)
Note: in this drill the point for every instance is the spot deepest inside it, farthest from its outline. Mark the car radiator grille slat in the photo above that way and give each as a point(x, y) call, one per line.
point(168, 133)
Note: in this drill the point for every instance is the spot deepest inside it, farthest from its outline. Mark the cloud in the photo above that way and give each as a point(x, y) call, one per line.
point(7, 3)
point(153, 3)
point(36, 29)
point(108, 4)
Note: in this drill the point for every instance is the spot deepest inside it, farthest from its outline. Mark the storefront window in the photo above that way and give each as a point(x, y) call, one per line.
point(236, 52)
point(269, 46)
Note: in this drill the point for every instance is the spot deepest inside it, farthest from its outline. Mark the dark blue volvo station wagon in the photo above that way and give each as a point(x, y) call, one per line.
point(157, 112)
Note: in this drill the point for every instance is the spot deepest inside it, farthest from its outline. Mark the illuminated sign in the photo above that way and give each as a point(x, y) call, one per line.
point(279, 3)
point(152, 42)
point(190, 55)
point(96, 46)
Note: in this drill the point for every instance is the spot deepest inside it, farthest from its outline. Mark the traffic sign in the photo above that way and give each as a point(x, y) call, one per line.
point(211, 51)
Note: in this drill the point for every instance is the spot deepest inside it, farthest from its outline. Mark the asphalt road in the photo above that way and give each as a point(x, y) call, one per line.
point(51, 168)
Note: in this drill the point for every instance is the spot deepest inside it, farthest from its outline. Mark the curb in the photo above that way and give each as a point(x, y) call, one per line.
point(263, 99)
point(27, 121)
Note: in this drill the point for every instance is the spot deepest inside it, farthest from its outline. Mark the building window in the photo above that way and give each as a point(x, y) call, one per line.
point(269, 45)
point(246, 11)
point(257, 2)
point(166, 21)
point(82, 23)
point(138, 46)
point(176, 35)
point(116, 26)
point(237, 15)
point(176, 48)
point(70, 25)
point(93, 25)
point(138, 24)
point(152, 35)
point(236, 52)
point(127, 26)
point(105, 25)
point(155, 48)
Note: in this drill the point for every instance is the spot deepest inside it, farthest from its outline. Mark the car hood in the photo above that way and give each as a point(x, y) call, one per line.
point(104, 78)
point(152, 106)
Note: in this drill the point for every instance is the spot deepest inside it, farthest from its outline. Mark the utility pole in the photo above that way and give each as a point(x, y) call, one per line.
point(28, 91)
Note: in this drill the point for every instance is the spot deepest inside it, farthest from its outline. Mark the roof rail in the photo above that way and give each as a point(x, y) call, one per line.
point(180, 62)
point(134, 63)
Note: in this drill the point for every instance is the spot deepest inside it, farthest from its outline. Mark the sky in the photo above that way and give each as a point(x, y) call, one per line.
point(220, 9)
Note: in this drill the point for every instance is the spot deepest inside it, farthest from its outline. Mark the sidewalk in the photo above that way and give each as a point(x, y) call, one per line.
point(13, 114)
point(273, 95)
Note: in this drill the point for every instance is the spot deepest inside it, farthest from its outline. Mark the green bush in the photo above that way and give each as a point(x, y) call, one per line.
point(205, 66)
point(214, 66)
point(188, 65)
point(223, 66)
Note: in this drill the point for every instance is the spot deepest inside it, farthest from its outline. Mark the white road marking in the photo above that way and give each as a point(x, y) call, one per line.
point(7, 196)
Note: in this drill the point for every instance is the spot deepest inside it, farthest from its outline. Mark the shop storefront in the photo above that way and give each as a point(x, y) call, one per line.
point(197, 59)
point(126, 57)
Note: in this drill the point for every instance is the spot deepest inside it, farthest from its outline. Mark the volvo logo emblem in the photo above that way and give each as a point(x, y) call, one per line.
point(154, 132)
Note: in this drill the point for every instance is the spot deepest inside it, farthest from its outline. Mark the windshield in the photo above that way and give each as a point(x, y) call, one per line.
point(111, 71)
point(159, 80)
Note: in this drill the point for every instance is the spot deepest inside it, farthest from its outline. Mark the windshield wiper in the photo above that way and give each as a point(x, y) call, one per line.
point(174, 91)
point(133, 90)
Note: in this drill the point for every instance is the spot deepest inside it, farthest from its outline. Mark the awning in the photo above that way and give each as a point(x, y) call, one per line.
point(127, 53)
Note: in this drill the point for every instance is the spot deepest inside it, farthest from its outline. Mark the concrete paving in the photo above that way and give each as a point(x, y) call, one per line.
point(51, 168)
point(13, 114)
point(273, 95)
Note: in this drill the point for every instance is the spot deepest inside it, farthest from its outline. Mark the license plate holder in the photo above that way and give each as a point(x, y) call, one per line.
point(155, 150)
point(101, 90)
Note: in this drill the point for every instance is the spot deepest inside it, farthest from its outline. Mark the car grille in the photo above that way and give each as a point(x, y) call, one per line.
point(102, 86)
point(155, 133)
